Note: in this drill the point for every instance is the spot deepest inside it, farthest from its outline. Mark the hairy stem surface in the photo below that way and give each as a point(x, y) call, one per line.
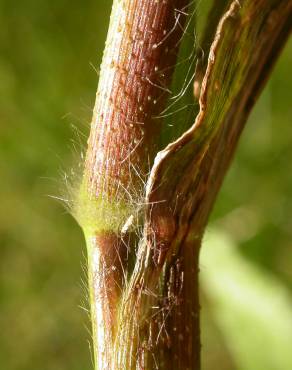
point(137, 66)
point(143, 248)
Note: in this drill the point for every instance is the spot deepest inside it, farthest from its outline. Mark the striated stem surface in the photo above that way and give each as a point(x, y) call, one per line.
point(139, 58)
point(143, 274)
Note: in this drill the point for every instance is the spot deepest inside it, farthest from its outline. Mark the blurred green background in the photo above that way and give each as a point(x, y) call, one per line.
point(49, 56)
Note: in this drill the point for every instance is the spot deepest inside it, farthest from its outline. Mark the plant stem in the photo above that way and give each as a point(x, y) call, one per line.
point(138, 62)
point(143, 275)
